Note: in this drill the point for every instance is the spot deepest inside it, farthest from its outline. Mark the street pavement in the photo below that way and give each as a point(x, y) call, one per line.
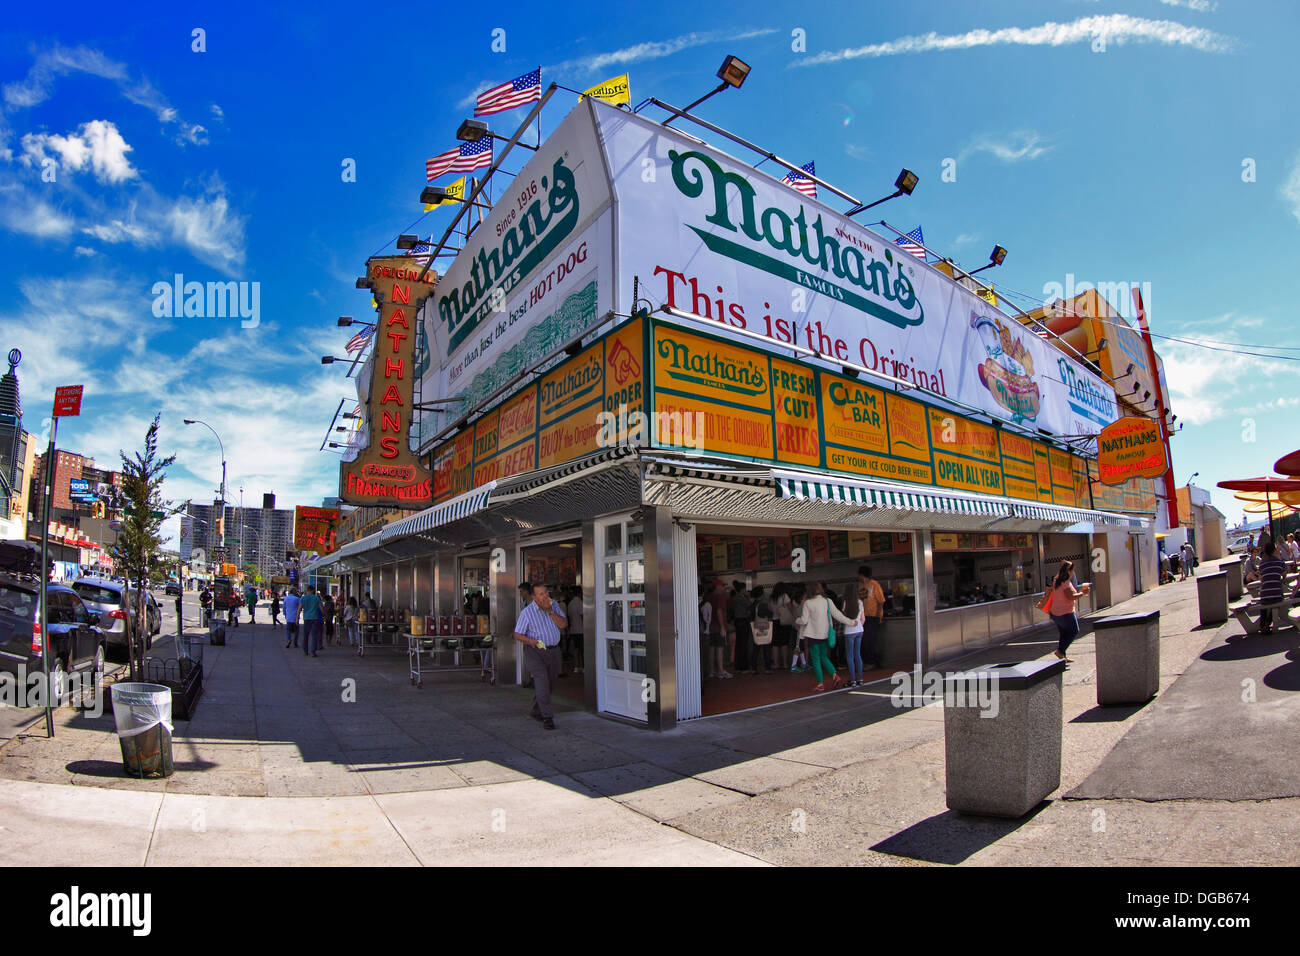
point(339, 760)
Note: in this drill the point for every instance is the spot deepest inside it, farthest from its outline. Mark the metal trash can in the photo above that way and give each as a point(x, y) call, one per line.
point(143, 714)
point(1002, 737)
point(1234, 568)
point(190, 647)
point(216, 633)
point(1212, 597)
point(1128, 658)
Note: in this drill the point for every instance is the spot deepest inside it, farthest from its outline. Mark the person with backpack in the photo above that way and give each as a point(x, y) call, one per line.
point(816, 618)
point(762, 632)
point(1060, 606)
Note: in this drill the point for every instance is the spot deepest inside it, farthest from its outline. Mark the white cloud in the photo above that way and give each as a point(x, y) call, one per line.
point(1117, 28)
point(857, 152)
point(1200, 6)
point(654, 50)
point(57, 62)
point(85, 251)
point(209, 229)
point(1012, 148)
point(965, 239)
point(218, 112)
point(1291, 188)
point(1203, 382)
point(97, 145)
point(29, 215)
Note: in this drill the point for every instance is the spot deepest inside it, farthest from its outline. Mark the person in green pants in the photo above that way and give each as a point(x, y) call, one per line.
point(815, 620)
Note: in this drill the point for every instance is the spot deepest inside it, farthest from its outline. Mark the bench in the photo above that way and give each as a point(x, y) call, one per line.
point(1249, 613)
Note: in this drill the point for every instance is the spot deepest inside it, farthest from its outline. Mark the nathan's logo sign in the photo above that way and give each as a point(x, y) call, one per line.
point(690, 365)
point(1130, 448)
point(878, 288)
point(1008, 369)
point(387, 472)
point(539, 221)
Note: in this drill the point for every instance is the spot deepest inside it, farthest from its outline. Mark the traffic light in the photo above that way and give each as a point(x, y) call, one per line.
point(221, 529)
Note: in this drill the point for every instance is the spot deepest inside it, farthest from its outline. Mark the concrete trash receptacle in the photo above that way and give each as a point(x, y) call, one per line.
point(1234, 569)
point(216, 633)
point(1212, 597)
point(143, 715)
point(1128, 658)
point(1003, 760)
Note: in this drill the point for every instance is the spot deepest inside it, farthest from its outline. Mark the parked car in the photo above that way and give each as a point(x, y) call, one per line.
point(171, 588)
point(75, 642)
point(1239, 545)
point(115, 604)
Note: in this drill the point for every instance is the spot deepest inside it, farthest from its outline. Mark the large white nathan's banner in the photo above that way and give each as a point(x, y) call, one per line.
point(536, 272)
point(712, 236)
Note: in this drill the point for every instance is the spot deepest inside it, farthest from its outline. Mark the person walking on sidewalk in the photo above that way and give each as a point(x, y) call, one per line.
point(1188, 556)
point(292, 607)
point(275, 607)
point(538, 629)
point(313, 621)
point(1062, 608)
point(351, 621)
point(816, 617)
point(327, 615)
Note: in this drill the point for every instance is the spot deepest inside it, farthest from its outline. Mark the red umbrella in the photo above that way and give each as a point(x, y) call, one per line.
point(1289, 464)
point(1266, 485)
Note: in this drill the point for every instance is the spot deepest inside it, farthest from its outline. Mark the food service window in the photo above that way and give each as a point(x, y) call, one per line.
point(981, 568)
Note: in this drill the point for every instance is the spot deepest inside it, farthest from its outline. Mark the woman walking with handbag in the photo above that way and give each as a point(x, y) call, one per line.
point(1060, 606)
point(816, 617)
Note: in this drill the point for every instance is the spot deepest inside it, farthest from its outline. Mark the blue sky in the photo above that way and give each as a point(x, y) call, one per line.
point(1116, 160)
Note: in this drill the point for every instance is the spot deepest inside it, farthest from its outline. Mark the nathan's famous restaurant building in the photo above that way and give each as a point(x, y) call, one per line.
point(653, 366)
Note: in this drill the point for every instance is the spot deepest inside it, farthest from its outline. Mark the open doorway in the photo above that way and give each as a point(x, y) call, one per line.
point(756, 567)
point(558, 565)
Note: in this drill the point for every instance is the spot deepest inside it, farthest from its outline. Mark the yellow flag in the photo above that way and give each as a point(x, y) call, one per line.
point(987, 295)
point(613, 91)
point(454, 192)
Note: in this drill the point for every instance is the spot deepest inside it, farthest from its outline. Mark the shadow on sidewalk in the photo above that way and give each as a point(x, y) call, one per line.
point(951, 837)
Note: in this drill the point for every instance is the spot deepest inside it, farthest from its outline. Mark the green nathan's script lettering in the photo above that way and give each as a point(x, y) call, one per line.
point(893, 298)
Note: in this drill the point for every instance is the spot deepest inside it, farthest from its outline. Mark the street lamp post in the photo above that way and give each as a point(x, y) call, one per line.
point(221, 523)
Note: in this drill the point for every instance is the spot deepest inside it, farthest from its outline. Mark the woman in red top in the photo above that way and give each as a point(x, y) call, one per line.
point(1062, 608)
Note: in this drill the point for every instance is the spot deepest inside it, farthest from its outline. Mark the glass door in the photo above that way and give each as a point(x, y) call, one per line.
point(620, 615)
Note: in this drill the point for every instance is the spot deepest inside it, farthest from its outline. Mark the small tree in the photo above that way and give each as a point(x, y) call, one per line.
point(139, 543)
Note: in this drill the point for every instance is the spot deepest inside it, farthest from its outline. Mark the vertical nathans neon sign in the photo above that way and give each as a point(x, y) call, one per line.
point(387, 472)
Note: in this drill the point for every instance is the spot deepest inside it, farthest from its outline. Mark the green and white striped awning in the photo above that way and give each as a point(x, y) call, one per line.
point(459, 507)
point(1059, 514)
point(871, 494)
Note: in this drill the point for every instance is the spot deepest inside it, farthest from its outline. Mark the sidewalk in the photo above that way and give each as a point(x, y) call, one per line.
point(277, 765)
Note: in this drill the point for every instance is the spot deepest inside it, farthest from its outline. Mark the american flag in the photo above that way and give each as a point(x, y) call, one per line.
point(805, 186)
point(520, 90)
point(442, 163)
point(473, 156)
point(1041, 331)
point(358, 341)
point(911, 243)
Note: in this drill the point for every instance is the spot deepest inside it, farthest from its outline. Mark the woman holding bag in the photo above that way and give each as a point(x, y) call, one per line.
point(1059, 604)
point(815, 619)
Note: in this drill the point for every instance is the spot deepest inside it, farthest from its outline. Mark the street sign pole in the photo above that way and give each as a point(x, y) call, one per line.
point(67, 403)
point(45, 575)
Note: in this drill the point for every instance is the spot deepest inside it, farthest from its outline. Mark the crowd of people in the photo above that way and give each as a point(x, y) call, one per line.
point(799, 626)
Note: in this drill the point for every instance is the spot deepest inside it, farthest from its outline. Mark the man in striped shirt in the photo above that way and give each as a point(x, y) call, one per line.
point(539, 626)
point(1272, 572)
